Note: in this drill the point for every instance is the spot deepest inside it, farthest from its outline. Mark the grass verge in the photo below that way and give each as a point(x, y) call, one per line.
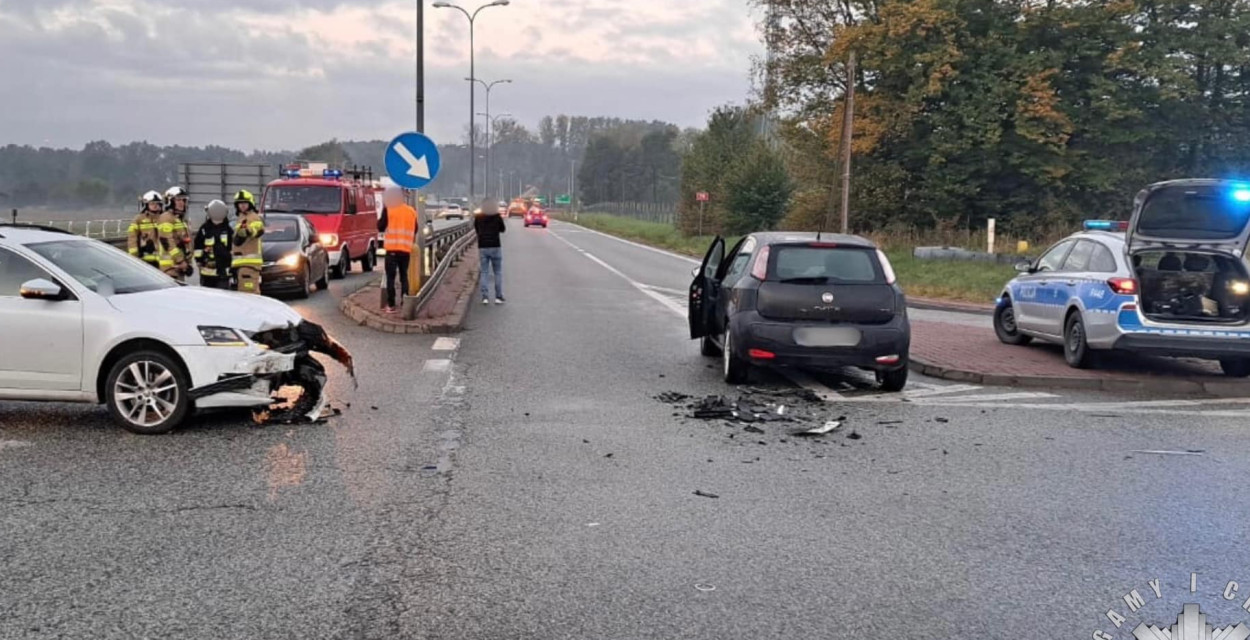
point(978, 282)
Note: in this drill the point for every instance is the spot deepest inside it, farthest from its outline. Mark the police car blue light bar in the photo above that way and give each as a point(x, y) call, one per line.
point(1241, 194)
point(290, 173)
point(1106, 225)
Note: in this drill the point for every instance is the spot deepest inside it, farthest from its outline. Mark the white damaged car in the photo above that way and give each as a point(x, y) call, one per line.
point(81, 321)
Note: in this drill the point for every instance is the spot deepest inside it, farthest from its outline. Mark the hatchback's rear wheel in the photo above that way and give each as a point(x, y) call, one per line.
point(146, 392)
point(737, 370)
point(1005, 326)
point(1235, 367)
point(1075, 348)
point(893, 380)
point(708, 347)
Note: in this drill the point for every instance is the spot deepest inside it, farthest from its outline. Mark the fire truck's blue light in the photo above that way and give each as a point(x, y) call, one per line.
point(332, 173)
point(1241, 195)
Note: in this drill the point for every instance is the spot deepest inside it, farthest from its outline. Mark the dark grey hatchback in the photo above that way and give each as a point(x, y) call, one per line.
point(818, 301)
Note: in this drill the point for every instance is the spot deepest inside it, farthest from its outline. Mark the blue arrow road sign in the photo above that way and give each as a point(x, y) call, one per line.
point(412, 160)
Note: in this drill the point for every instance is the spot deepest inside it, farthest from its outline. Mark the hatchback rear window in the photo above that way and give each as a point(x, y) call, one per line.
point(825, 264)
point(1195, 213)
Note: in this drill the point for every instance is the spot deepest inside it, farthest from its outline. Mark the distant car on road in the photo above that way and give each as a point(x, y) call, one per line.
point(81, 321)
point(1171, 281)
point(295, 260)
point(450, 211)
point(536, 217)
point(819, 301)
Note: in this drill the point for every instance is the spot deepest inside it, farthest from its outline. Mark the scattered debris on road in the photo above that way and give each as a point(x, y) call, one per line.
point(819, 431)
point(704, 494)
point(853, 436)
point(1187, 452)
point(705, 587)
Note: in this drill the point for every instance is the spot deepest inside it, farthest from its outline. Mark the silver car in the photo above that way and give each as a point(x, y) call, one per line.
point(1172, 281)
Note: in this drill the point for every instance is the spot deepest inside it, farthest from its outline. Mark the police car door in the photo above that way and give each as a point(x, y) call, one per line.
point(1036, 292)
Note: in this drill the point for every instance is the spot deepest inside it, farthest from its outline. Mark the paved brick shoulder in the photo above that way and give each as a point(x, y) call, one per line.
point(958, 352)
point(444, 311)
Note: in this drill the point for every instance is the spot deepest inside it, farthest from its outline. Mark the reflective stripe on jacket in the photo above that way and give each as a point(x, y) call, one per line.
point(247, 249)
point(401, 229)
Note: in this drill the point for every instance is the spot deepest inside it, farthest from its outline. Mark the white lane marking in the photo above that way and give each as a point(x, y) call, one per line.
point(1113, 406)
point(446, 344)
point(667, 302)
point(436, 365)
point(1168, 453)
point(1021, 395)
point(14, 444)
point(803, 380)
point(950, 388)
point(674, 292)
point(1088, 408)
point(635, 244)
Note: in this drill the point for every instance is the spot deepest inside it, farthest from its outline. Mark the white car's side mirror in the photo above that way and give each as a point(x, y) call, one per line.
point(41, 289)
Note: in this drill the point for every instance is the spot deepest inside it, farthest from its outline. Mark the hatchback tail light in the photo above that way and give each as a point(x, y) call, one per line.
point(759, 270)
point(886, 268)
point(1125, 286)
point(760, 354)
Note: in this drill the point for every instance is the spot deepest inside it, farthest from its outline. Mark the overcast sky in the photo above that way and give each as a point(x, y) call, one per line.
point(285, 74)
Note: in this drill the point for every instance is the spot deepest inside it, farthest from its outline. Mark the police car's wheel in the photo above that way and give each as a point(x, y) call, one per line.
point(1005, 325)
point(1075, 348)
point(1235, 367)
point(146, 392)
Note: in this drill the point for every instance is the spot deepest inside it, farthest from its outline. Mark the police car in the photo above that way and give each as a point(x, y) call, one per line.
point(1171, 281)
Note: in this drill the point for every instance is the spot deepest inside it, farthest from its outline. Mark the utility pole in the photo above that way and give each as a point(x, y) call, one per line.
point(421, 66)
point(848, 117)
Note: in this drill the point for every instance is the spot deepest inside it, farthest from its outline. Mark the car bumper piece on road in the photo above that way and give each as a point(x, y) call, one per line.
point(778, 338)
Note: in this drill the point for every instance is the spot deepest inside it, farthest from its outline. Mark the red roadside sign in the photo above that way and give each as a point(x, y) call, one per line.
point(701, 196)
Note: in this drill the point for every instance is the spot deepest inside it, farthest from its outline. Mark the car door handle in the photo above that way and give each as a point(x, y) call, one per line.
point(1072, 283)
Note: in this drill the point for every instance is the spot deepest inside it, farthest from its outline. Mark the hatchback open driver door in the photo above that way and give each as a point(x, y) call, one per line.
point(703, 290)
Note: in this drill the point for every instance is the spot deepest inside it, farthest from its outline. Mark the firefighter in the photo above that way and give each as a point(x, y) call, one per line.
point(212, 246)
point(142, 236)
point(248, 228)
point(174, 240)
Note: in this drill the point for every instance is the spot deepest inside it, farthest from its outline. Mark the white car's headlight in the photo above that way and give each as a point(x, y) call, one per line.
point(222, 337)
point(291, 260)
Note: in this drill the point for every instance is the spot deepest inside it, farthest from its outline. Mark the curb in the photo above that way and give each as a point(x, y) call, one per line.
point(451, 323)
point(1216, 388)
point(944, 305)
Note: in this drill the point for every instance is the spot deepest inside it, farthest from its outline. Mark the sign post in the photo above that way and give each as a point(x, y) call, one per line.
point(989, 235)
point(702, 197)
point(412, 162)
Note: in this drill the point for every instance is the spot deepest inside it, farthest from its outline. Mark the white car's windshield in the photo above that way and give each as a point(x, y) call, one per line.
point(102, 268)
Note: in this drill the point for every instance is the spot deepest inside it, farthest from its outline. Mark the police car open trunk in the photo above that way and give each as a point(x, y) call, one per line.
point(1186, 242)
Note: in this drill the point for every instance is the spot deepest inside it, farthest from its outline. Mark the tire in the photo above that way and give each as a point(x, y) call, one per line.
point(893, 381)
point(323, 282)
point(736, 370)
point(1005, 326)
point(370, 260)
point(1075, 347)
point(1235, 367)
point(305, 283)
point(340, 270)
point(707, 347)
point(157, 375)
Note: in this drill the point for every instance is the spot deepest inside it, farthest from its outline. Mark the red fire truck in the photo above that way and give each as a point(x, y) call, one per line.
point(342, 206)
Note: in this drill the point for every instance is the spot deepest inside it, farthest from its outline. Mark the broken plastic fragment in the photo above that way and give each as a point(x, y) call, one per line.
point(704, 494)
point(819, 431)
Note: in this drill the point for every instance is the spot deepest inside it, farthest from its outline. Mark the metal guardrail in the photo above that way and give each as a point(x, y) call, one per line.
point(98, 229)
point(440, 250)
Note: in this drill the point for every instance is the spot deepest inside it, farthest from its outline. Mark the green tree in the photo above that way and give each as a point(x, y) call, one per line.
point(331, 152)
point(757, 191)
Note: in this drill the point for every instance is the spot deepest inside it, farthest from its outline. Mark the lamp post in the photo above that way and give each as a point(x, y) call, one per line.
point(472, 17)
point(489, 122)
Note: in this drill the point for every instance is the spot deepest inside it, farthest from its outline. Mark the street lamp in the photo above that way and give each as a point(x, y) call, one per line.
point(489, 122)
point(472, 76)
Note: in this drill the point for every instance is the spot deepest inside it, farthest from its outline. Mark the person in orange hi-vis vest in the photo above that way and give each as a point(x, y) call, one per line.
point(399, 224)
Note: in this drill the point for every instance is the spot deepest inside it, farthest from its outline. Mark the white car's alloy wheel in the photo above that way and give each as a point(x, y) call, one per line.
point(146, 393)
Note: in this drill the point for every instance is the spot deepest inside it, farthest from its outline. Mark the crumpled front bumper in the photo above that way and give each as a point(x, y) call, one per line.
point(234, 376)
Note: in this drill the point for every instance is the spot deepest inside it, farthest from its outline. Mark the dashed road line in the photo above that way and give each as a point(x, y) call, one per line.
point(953, 388)
point(446, 344)
point(437, 365)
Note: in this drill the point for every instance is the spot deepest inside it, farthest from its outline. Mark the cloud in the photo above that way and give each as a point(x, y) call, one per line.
point(285, 74)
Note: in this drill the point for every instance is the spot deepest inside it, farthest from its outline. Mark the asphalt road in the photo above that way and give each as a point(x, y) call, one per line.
point(523, 482)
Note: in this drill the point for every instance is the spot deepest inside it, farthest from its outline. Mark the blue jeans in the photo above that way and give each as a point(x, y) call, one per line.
point(491, 258)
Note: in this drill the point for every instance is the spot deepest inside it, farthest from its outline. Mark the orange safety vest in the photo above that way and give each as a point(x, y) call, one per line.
point(401, 229)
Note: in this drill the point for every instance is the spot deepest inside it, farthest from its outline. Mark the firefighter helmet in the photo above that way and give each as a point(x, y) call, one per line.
point(216, 210)
point(173, 193)
point(150, 197)
point(245, 196)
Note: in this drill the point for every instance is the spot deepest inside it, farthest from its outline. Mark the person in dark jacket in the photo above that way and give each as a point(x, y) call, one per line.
point(489, 226)
point(212, 247)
